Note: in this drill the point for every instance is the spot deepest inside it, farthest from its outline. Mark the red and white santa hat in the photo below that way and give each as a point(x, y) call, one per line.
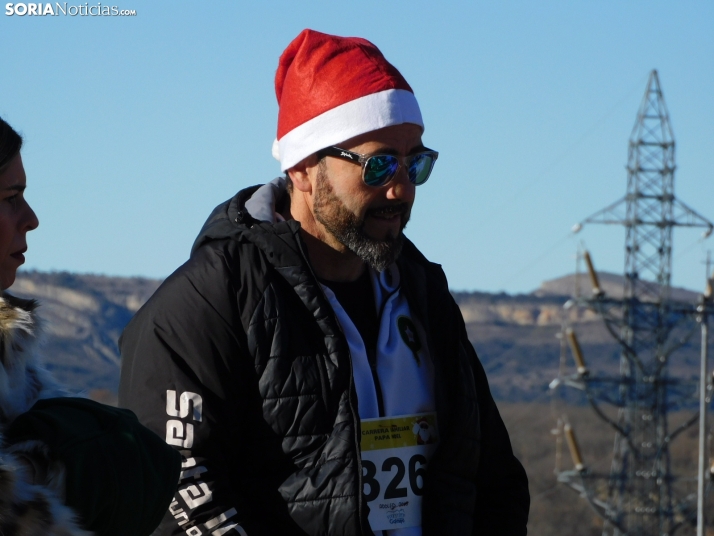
point(331, 89)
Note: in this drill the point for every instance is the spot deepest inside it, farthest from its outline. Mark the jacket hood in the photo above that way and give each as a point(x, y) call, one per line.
point(259, 203)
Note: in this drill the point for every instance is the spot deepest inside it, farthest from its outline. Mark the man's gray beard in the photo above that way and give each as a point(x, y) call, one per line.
point(349, 229)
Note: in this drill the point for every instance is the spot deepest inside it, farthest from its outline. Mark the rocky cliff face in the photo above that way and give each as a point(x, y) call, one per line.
point(514, 335)
point(83, 317)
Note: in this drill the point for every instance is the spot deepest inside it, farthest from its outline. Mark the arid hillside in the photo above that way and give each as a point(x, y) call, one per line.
point(517, 336)
point(557, 510)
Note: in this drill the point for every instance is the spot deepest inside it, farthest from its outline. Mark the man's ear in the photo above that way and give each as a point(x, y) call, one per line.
point(302, 173)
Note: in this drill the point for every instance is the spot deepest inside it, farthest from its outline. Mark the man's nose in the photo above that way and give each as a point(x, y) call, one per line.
point(400, 187)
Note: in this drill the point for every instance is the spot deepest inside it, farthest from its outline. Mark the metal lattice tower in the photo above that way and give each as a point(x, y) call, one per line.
point(639, 497)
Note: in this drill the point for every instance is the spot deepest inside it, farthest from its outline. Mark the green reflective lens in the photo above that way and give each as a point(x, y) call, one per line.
point(380, 169)
point(418, 169)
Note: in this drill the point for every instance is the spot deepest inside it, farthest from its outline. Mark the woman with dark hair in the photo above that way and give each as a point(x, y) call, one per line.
point(68, 466)
point(16, 216)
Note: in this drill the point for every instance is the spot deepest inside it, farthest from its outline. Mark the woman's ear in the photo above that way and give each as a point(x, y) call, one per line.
point(303, 174)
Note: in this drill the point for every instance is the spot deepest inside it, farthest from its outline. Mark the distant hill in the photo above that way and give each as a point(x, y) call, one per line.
point(514, 335)
point(612, 284)
point(83, 317)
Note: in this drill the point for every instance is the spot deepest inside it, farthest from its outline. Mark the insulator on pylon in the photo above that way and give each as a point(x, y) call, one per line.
point(577, 351)
point(574, 449)
point(597, 291)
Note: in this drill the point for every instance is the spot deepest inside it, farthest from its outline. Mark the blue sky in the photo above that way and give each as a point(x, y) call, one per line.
point(136, 127)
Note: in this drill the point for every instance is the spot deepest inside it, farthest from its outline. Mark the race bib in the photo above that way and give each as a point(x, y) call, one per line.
point(395, 453)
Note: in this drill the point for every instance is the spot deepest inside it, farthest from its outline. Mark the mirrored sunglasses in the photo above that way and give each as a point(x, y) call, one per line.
point(379, 169)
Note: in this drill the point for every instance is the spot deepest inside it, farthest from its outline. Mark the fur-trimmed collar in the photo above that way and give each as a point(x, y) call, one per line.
point(27, 508)
point(23, 379)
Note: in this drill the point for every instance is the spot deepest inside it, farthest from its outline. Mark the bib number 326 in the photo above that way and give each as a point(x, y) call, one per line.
point(394, 462)
point(394, 489)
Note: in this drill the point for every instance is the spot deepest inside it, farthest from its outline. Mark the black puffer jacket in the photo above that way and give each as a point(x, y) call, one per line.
point(239, 360)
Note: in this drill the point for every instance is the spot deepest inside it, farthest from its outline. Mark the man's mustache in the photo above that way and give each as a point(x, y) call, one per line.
point(396, 208)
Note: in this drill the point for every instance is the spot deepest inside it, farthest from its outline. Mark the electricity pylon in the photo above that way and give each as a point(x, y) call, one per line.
point(639, 496)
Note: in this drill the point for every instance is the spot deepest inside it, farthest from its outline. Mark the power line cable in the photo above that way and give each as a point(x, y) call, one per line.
point(540, 176)
point(537, 260)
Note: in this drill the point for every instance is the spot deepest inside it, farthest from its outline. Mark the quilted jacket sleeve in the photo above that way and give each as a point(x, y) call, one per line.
point(186, 375)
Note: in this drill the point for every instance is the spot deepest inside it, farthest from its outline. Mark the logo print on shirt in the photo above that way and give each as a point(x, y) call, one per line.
point(408, 331)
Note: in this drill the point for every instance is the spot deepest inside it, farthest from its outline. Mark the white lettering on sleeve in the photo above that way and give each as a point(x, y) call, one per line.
point(175, 434)
point(194, 472)
point(174, 504)
point(181, 434)
point(220, 519)
point(223, 530)
point(196, 494)
point(186, 398)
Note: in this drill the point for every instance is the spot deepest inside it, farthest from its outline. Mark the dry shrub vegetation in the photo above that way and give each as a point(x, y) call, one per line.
point(557, 509)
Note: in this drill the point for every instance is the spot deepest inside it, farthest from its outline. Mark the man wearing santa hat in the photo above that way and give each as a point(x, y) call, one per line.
point(290, 358)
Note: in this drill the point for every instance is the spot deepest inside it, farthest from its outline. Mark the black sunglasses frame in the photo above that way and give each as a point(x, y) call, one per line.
point(363, 159)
